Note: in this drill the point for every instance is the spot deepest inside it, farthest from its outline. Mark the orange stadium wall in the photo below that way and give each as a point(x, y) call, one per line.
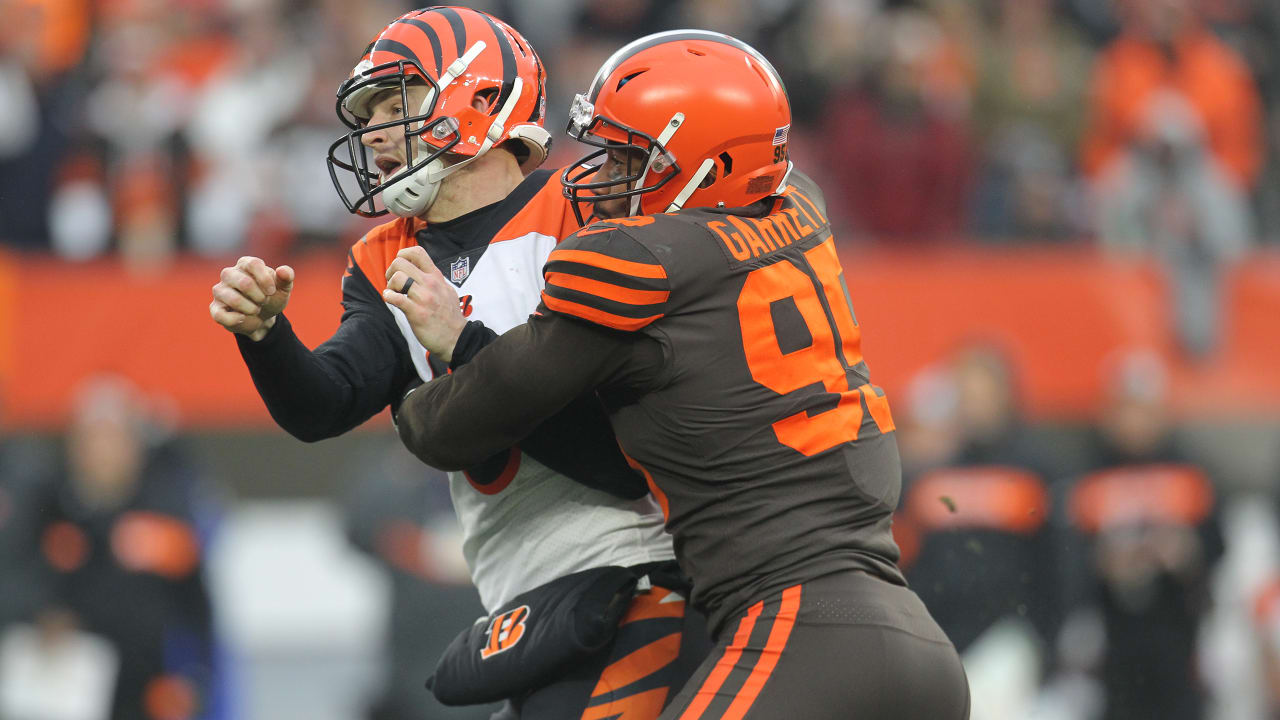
point(1059, 313)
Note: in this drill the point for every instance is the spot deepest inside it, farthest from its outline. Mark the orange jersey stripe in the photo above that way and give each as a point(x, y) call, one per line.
point(599, 317)
point(724, 666)
point(606, 290)
point(778, 637)
point(607, 262)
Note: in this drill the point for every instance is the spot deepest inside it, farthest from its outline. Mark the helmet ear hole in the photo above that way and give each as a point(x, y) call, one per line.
point(484, 99)
point(727, 160)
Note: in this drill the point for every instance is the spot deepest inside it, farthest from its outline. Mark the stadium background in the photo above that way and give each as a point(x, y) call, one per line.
point(1004, 175)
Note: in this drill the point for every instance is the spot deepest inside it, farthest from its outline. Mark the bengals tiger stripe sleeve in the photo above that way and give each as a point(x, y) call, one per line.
point(519, 381)
point(602, 275)
point(346, 380)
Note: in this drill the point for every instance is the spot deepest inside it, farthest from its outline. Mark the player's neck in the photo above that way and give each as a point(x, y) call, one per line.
point(481, 183)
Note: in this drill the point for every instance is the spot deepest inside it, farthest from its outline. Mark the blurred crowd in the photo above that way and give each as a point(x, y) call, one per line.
point(150, 127)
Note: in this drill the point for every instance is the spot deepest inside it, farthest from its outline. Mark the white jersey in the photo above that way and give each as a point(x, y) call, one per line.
point(531, 525)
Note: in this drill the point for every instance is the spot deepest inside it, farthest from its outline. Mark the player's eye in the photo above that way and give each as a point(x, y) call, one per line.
point(616, 168)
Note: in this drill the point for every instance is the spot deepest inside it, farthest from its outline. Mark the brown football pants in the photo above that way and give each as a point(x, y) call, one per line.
point(839, 647)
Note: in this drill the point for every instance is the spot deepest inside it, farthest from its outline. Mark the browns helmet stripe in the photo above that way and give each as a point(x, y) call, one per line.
point(459, 27)
point(432, 37)
point(627, 51)
point(508, 61)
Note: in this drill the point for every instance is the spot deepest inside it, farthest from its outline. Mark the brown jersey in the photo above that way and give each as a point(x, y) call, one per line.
point(760, 433)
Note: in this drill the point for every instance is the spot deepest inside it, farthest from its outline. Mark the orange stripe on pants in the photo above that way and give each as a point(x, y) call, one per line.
point(769, 658)
point(711, 686)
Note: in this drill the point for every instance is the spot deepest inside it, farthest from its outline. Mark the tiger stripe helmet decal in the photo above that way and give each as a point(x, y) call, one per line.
point(486, 86)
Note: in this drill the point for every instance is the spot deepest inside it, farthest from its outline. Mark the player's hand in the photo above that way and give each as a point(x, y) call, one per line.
point(249, 295)
point(430, 303)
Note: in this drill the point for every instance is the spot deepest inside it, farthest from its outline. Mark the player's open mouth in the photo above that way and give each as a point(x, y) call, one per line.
point(387, 166)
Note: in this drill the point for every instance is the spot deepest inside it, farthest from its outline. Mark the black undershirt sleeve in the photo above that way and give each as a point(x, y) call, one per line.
point(577, 442)
point(518, 382)
point(345, 381)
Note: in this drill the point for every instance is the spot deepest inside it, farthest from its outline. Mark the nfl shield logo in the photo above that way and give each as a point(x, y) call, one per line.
point(459, 270)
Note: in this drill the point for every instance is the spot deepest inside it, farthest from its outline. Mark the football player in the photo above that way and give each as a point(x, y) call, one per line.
point(445, 115)
point(714, 320)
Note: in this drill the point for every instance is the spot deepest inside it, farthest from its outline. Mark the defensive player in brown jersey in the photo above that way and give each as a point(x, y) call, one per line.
point(718, 330)
point(445, 110)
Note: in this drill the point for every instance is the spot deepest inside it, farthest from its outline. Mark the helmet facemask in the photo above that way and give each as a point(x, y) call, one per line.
point(349, 153)
point(606, 134)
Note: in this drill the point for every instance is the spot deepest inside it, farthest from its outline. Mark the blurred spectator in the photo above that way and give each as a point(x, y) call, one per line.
point(973, 527)
point(41, 43)
point(1165, 196)
point(1147, 517)
point(402, 517)
point(1028, 118)
point(261, 87)
point(124, 544)
point(1173, 149)
point(1240, 656)
point(896, 143)
point(1164, 47)
point(25, 483)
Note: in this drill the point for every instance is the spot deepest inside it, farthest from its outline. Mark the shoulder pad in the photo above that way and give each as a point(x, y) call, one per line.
point(603, 275)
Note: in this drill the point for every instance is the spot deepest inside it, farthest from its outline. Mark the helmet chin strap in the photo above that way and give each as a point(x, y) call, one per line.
point(692, 185)
point(672, 125)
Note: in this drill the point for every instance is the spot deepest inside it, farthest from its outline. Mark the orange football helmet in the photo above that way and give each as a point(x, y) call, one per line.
point(461, 55)
point(708, 112)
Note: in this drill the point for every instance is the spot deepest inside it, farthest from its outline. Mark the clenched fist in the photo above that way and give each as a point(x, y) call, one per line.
point(249, 296)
